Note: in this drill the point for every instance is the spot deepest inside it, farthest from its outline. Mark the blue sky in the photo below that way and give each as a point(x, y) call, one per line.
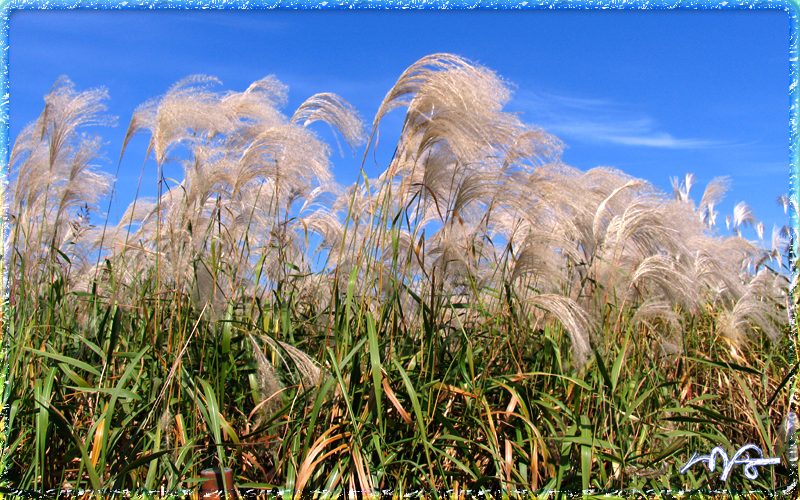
point(654, 93)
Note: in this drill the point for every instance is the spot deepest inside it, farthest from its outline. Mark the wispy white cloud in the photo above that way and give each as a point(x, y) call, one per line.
point(661, 141)
point(762, 169)
point(601, 121)
point(631, 133)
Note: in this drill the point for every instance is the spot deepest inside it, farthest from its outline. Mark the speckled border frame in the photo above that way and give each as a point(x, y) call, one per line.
point(790, 6)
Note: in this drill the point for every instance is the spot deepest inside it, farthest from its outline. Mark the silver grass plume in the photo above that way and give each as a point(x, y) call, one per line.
point(574, 319)
point(269, 383)
point(248, 165)
point(54, 183)
point(309, 370)
point(713, 195)
point(334, 111)
point(652, 309)
point(681, 188)
point(186, 110)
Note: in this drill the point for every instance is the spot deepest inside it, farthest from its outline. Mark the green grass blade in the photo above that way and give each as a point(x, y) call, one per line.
point(65, 359)
point(419, 416)
point(214, 424)
point(375, 361)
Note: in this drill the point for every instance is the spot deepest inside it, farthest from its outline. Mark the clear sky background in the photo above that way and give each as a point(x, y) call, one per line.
point(654, 93)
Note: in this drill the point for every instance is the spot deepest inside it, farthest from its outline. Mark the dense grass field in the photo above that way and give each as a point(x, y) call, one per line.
point(479, 316)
